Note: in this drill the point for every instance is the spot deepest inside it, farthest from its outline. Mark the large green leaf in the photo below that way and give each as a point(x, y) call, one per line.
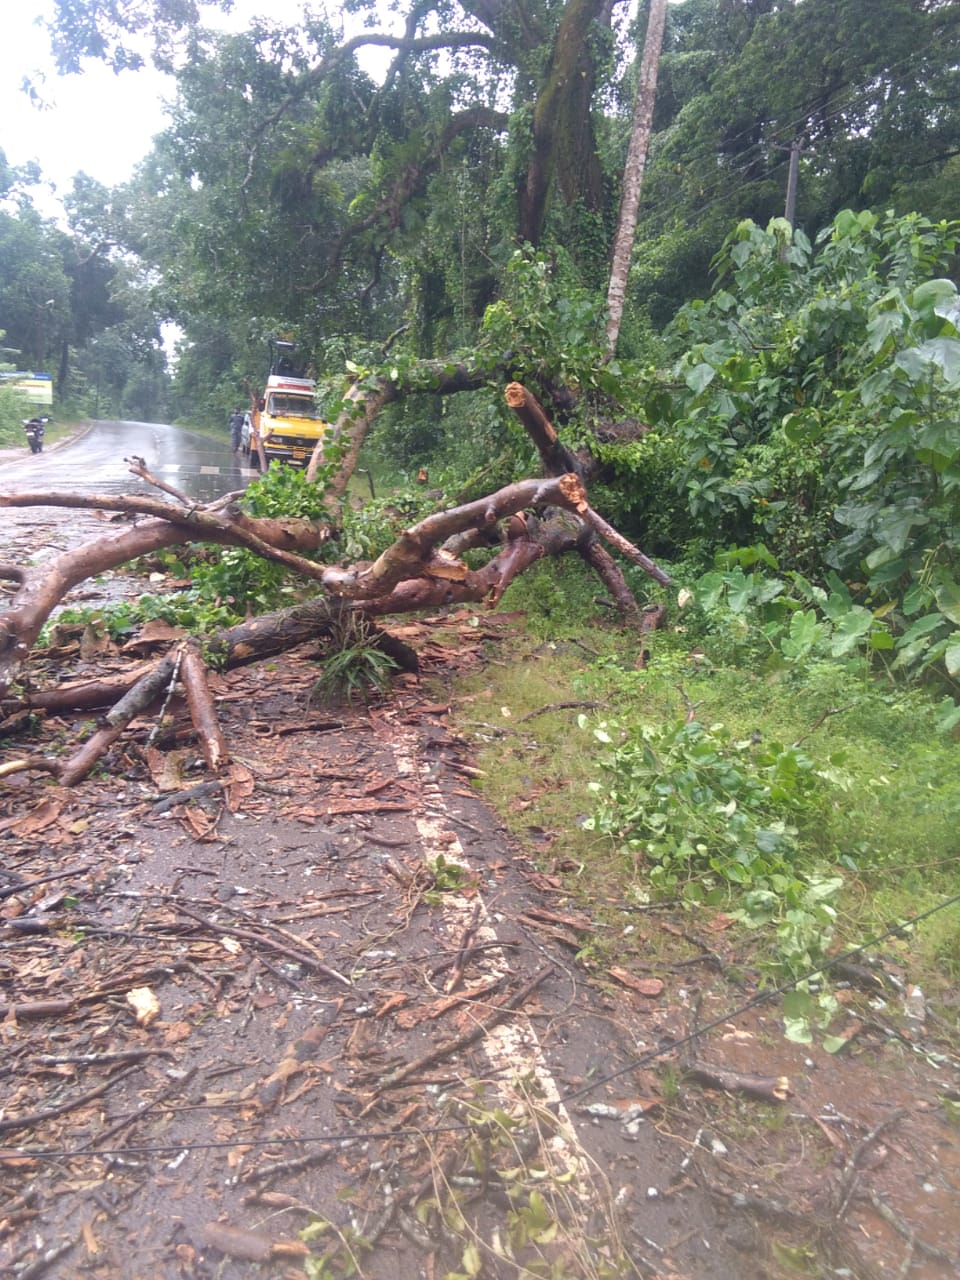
point(947, 596)
point(699, 377)
point(849, 630)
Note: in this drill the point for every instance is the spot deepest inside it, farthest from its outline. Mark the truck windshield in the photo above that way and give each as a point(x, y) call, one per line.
point(286, 406)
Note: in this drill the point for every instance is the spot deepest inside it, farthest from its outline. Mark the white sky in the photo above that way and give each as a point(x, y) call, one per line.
point(97, 122)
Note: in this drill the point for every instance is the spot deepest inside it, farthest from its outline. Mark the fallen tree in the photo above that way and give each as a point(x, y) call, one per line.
point(422, 569)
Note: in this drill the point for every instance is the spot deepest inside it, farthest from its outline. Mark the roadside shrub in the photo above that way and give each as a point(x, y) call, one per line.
point(13, 409)
point(713, 819)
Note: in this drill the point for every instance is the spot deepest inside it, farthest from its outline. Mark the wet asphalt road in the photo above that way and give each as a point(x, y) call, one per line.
point(93, 462)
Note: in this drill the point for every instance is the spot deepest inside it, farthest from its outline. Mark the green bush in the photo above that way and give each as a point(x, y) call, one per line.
point(13, 409)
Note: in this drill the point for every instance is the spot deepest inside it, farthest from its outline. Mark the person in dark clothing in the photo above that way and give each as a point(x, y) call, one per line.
point(236, 429)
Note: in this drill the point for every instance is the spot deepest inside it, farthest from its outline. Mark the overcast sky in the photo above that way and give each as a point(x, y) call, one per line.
point(97, 122)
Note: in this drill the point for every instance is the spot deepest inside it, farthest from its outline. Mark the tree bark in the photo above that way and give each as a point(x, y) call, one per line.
point(633, 171)
point(203, 710)
point(422, 569)
point(563, 143)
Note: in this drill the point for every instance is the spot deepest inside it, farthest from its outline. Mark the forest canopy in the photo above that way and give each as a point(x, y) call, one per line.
point(296, 188)
point(781, 384)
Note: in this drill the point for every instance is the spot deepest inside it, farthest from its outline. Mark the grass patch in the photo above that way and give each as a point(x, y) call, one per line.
point(844, 784)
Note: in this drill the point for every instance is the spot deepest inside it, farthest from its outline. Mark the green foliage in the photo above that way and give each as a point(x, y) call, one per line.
point(814, 407)
point(468, 442)
point(13, 409)
point(709, 816)
point(861, 83)
point(193, 610)
point(637, 490)
point(546, 328)
point(343, 1252)
point(535, 1226)
point(444, 877)
point(285, 491)
point(559, 598)
point(746, 608)
point(370, 528)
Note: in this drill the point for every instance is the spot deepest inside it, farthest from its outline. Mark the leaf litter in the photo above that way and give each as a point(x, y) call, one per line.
point(250, 1028)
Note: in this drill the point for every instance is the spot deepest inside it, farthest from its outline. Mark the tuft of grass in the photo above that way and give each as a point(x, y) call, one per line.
point(355, 666)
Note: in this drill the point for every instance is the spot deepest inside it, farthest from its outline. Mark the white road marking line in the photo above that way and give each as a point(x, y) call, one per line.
point(511, 1047)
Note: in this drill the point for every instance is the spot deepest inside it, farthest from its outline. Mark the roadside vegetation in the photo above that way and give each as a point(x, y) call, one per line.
point(781, 751)
point(776, 423)
point(813, 805)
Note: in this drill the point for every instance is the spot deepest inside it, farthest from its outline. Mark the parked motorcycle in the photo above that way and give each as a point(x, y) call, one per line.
point(34, 428)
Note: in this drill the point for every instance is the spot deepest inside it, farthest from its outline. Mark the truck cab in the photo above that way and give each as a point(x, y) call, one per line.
point(285, 419)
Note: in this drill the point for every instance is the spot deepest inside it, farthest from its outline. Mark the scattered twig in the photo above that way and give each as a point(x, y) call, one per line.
point(767, 1088)
point(907, 1264)
point(38, 1117)
point(25, 886)
point(251, 1246)
point(281, 1168)
point(448, 1047)
point(259, 939)
point(99, 1059)
point(690, 707)
point(464, 951)
point(199, 792)
point(771, 1210)
point(171, 687)
point(36, 1009)
point(852, 1170)
point(830, 711)
point(47, 1260)
point(497, 945)
point(908, 1233)
point(560, 706)
point(685, 1162)
point(124, 1122)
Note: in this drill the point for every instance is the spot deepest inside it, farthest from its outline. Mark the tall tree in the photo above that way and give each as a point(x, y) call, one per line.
point(871, 88)
point(633, 170)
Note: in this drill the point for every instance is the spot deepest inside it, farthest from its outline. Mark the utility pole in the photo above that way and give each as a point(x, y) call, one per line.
point(790, 208)
point(793, 172)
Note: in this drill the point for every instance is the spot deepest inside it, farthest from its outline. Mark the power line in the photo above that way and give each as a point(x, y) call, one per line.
point(783, 135)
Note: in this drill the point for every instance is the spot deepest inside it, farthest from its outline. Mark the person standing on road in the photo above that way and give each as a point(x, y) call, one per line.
point(236, 429)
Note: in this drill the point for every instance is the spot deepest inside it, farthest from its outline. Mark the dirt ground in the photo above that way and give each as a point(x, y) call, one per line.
point(324, 1018)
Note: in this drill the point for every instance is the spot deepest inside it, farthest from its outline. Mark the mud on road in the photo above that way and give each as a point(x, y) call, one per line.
point(323, 1017)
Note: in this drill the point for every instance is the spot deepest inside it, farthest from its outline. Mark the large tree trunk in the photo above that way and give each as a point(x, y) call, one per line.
point(633, 171)
point(422, 569)
point(563, 146)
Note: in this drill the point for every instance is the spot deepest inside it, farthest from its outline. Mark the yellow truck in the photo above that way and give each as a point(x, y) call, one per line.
point(285, 422)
